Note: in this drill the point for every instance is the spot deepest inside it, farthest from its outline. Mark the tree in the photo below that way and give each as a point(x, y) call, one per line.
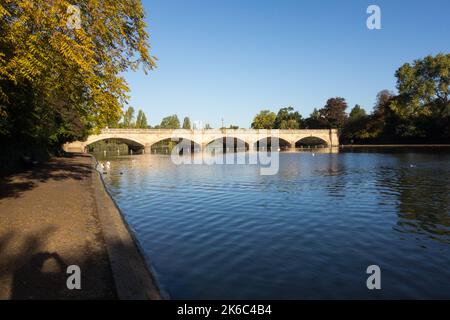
point(128, 118)
point(233, 127)
point(141, 120)
point(315, 120)
point(424, 85)
point(422, 105)
point(208, 126)
point(170, 122)
point(60, 76)
point(144, 124)
point(187, 123)
point(357, 113)
point(137, 125)
point(355, 127)
point(265, 119)
point(377, 125)
point(334, 112)
point(288, 119)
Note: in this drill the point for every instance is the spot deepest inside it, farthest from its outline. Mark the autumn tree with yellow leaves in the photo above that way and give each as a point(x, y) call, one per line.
point(61, 64)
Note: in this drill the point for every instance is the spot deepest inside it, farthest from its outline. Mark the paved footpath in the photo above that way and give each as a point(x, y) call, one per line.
point(58, 214)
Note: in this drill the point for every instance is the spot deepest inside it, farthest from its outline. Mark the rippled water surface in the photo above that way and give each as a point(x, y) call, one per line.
point(310, 231)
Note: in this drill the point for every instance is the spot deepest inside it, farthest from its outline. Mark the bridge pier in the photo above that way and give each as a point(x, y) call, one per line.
point(292, 146)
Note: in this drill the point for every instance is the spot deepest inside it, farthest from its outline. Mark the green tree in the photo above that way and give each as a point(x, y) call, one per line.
point(141, 120)
point(355, 127)
point(287, 118)
point(144, 124)
point(187, 123)
point(357, 113)
point(59, 80)
point(377, 125)
point(208, 126)
point(422, 105)
point(265, 119)
point(334, 112)
point(170, 122)
point(128, 118)
point(315, 120)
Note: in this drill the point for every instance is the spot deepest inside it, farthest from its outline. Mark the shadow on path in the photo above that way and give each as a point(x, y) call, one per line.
point(66, 167)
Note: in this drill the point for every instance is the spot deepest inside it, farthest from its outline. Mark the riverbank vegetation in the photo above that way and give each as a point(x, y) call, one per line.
point(418, 113)
point(61, 69)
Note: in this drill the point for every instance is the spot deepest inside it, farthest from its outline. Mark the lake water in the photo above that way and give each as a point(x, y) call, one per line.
point(310, 231)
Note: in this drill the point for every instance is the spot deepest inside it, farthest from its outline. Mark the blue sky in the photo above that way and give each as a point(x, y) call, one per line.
point(229, 59)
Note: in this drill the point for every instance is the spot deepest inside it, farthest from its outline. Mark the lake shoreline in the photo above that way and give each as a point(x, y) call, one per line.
point(220, 231)
point(59, 214)
point(393, 145)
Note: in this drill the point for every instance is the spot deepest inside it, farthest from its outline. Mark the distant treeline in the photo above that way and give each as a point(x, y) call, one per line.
point(418, 113)
point(128, 121)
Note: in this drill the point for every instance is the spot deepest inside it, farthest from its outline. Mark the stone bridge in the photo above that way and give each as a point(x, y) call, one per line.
point(145, 138)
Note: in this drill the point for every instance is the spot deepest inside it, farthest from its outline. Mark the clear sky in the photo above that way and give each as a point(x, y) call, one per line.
point(231, 58)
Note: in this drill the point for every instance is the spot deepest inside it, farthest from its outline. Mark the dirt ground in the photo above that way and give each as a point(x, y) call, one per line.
point(48, 221)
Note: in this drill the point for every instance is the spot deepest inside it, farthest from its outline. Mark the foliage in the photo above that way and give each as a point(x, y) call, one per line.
point(377, 126)
point(357, 113)
point(334, 112)
point(287, 118)
point(58, 81)
point(422, 107)
point(315, 120)
point(420, 112)
point(187, 123)
point(141, 120)
point(355, 127)
point(264, 120)
point(128, 118)
point(170, 122)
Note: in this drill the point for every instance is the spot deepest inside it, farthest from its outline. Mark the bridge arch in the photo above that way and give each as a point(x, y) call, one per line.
point(311, 141)
point(227, 143)
point(174, 138)
point(267, 143)
point(165, 144)
point(133, 144)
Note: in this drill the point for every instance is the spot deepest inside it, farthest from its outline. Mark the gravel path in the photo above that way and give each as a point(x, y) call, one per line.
point(48, 221)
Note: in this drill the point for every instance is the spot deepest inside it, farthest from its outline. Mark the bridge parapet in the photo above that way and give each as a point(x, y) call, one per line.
point(145, 138)
point(240, 130)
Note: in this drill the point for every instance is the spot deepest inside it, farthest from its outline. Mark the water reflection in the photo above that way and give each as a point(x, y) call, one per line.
point(224, 231)
point(424, 202)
